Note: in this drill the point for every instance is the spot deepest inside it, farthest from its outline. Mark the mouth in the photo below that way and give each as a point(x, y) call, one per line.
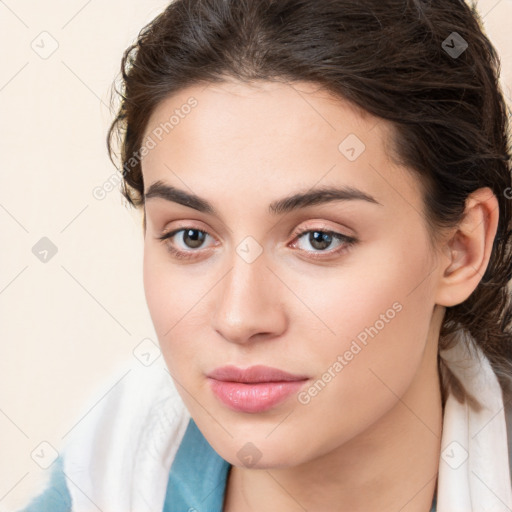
point(255, 389)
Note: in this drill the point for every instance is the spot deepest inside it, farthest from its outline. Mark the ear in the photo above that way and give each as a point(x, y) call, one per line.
point(467, 252)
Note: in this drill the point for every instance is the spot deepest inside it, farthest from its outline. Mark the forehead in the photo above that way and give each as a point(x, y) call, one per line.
point(260, 103)
point(268, 133)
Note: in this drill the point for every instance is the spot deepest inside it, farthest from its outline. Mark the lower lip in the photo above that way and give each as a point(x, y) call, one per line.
point(256, 397)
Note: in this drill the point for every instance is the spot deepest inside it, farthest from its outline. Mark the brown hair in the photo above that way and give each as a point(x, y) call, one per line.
point(394, 59)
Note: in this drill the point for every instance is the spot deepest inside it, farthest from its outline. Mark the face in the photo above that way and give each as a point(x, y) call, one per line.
point(338, 291)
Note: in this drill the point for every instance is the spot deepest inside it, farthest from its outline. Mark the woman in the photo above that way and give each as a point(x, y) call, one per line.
point(325, 188)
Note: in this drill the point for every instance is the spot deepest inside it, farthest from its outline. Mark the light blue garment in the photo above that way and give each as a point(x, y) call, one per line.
point(56, 498)
point(197, 480)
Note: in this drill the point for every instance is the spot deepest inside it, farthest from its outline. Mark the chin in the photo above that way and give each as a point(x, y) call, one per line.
point(261, 454)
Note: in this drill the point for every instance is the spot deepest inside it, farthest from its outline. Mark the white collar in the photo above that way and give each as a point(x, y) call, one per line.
point(474, 472)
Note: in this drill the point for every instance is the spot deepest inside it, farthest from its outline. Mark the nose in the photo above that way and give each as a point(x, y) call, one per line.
point(249, 303)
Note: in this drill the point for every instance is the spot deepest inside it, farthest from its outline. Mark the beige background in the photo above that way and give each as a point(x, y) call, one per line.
point(68, 323)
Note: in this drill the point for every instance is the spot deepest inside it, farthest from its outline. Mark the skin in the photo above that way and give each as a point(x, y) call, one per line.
point(371, 438)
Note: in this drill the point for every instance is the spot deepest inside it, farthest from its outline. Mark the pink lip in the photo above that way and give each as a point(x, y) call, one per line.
point(254, 389)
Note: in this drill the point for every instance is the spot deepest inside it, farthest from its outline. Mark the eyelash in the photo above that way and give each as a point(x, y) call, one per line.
point(349, 242)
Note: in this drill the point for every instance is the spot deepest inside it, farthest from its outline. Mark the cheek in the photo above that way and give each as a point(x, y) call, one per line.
point(176, 297)
point(168, 289)
point(155, 286)
point(381, 316)
point(166, 294)
point(366, 375)
point(381, 291)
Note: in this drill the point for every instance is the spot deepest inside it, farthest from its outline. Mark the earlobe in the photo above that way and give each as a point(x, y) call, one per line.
point(468, 250)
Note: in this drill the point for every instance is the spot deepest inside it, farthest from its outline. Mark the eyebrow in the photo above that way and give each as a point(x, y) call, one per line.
point(287, 204)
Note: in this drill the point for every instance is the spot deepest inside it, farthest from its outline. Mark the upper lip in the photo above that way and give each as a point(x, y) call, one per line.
point(257, 373)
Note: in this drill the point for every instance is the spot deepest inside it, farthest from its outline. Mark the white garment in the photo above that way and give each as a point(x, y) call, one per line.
point(119, 456)
point(482, 482)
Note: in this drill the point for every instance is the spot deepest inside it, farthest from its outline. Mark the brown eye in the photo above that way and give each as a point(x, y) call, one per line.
point(191, 238)
point(321, 239)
